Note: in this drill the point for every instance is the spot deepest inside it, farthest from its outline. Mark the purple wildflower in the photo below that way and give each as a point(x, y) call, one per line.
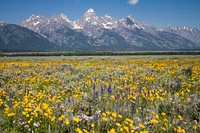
point(83, 98)
point(94, 87)
point(10, 102)
point(134, 105)
point(96, 93)
point(58, 106)
point(109, 89)
point(69, 100)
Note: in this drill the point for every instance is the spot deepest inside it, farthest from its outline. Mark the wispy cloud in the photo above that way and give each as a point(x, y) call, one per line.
point(133, 2)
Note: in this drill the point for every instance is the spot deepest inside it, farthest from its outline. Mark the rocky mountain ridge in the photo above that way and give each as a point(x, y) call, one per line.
point(105, 33)
point(16, 38)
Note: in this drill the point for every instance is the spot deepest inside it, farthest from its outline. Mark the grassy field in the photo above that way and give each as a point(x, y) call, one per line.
point(84, 94)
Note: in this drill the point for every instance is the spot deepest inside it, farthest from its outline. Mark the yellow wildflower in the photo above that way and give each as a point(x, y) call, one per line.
point(180, 130)
point(141, 125)
point(162, 128)
point(195, 121)
point(78, 130)
point(103, 114)
point(113, 97)
point(118, 124)
point(76, 119)
point(92, 125)
point(120, 116)
point(67, 121)
point(85, 131)
point(144, 131)
point(10, 114)
point(194, 127)
point(132, 131)
point(108, 112)
point(111, 118)
point(126, 128)
point(163, 114)
point(61, 117)
point(53, 118)
point(112, 131)
point(27, 115)
point(104, 119)
point(180, 117)
point(129, 120)
point(154, 121)
point(114, 115)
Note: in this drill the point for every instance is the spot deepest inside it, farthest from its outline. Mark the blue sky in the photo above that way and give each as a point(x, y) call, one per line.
point(160, 13)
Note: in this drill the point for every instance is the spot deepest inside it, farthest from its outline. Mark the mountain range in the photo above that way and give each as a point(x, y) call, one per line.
point(94, 33)
point(15, 38)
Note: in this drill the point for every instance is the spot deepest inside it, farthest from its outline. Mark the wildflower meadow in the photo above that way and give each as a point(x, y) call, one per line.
point(100, 95)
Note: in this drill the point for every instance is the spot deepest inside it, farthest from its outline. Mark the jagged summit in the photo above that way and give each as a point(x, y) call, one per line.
point(129, 20)
point(90, 13)
point(103, 31)
point(187, 28)
point(17, 38)
point(108, 16)
point(88, 18)
point(90, 10)
point(34, 22)
point(61, 17)
point(187, 32)
point(35, 16)
point(2, 23)
point(130, 23)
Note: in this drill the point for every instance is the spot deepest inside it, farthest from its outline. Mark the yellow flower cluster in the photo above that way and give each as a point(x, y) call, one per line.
point(100, 94)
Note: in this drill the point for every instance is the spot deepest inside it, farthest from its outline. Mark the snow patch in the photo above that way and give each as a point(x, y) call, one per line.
point(87, 18)
point(91, 10)
point(94, 23)
point(108, 25)
point(107, 16)
point(76, 26)
point(36, 23)
point(64, 17)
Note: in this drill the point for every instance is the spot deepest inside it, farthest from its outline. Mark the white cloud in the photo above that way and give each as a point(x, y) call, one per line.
point(133, 2)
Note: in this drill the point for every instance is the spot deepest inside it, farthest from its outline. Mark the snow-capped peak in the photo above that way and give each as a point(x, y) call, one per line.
point(130, 23)
point(184, 28)
point(130, 17)
point(89, 16)
point(108, 22)
point(34, 16)
point(90, 10)
point(2, 23)
point(129, 20)
point(34, 22)
point(94, 30)
point(61, 17)
point(179, 28)
point(64, 17)
point(108, 17)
